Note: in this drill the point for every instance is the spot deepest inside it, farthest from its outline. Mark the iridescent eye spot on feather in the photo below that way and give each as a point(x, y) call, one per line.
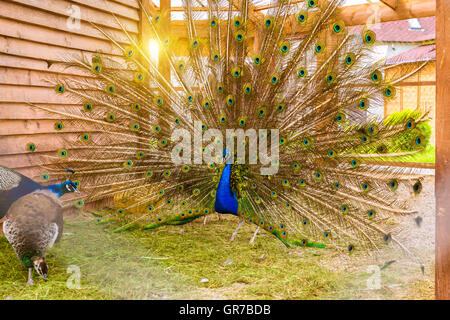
point(282, 141)
point(389, 92)
point(239, 36)
point(365, 139)
point(128, 52)
point(274, 79)
point(237, 22)
point(319, 48)
point(331, 78)
point(196, 192)
point(268, 22)
point(369, 37)
point(213, 193)
point(204, 127)
point(363, 104)
point(295, 166)
point(387, 238)
point(111, 89)
point(156, 128)
point(305, 223)
point(44, 177)
point(336, 185)
point(393, 184)
point(167, 173)
point(110, 117)
point(257, 60)
point(247, 88)
point(177, 120)
point(97, 68)
point(280, 107)
point(139, 155)
point(138, 77)
point(149, 174)
point(302, 17)
point(349, 60)
point(354, 163)
point(222, 119)
point(418, 141)
point(338, 27)
point(302, 73)
point(318, 176)
point(376, 76)
point(230, 100)
point(257, 200)
point(331, 154)
point(59, 88)
point(312, 3)
point(344, 209)
point(350, 249)
point(158, 100)
point(185, 168)
point(150, 208)
point(213, 22)
point(381, 149)
point(301, 183)
point(365, 187)
point(88, 107)
point(128, 164)
point(371, 214)
point(85, 137)
point(242, 122)
point(195, 44)
point(417, 187)
point(340, 117)
point(161, 192)
point(261, 112)
point(58, 126)
point(136, 106)
point(189, 98)
point(134, 127)
point(286, 183)
point(410, 124)
point(284, 47)
point(163, 142)
point(236, 72)
point(215, 57)
point(62, 153)
point(79, 204)
point(326, 235)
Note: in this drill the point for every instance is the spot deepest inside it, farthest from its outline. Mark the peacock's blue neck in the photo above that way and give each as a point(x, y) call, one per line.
point(226, 201)
point(57, 189)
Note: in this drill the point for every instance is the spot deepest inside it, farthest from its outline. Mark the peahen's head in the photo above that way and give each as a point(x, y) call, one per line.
point(40, 266)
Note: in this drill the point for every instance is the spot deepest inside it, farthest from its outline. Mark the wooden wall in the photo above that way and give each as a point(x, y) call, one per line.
point(35, 36)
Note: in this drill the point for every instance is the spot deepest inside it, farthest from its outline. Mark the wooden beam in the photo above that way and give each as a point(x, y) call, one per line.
point(393, 4)
point(164, 32)
point(442, 188)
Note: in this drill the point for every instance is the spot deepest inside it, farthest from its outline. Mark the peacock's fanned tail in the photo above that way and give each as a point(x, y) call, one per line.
point(318, 89)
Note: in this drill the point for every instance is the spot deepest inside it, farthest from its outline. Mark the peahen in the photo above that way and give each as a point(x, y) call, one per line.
point(171, 150)
point(34, 223)
point(14, 185)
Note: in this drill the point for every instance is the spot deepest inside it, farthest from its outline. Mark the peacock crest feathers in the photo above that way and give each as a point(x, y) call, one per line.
point(319, 90)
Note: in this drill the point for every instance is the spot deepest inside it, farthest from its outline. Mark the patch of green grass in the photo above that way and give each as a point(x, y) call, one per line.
point(13, 277)
point(174, 263)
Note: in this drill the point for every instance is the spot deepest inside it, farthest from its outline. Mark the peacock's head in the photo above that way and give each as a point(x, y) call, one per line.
point(227, 156)
point(40, 266)
point(69, 187)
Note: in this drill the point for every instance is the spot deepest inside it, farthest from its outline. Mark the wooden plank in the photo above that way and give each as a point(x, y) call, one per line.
point(12, 93)
point(21, 13)
point(17, 127)
point(26, 77)
point(91, 10)
point(442, 187)
point(24, 111)
point(42, 51)
point(393, 4)
point(19, 30)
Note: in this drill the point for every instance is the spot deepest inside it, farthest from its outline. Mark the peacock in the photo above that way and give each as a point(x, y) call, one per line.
point(278, 130)
point(14, 185)
point(34, 223)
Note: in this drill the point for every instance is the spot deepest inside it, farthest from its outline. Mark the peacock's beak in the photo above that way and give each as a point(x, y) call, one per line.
point(77, 191)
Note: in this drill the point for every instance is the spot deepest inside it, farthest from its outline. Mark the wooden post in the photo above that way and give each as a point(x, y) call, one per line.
point(164, 65)
point(442, 186)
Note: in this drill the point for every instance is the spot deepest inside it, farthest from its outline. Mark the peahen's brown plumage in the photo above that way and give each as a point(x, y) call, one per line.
point(319, 91)
point(34, 223)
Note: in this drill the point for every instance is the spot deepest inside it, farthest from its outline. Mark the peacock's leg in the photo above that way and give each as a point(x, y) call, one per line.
point(30, 277)
point(254, 236)
point(204, 220)
point(220, 216)
point(236, 231)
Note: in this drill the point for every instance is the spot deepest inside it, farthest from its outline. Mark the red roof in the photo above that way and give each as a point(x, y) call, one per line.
point(401, 31)
point(421, 53)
